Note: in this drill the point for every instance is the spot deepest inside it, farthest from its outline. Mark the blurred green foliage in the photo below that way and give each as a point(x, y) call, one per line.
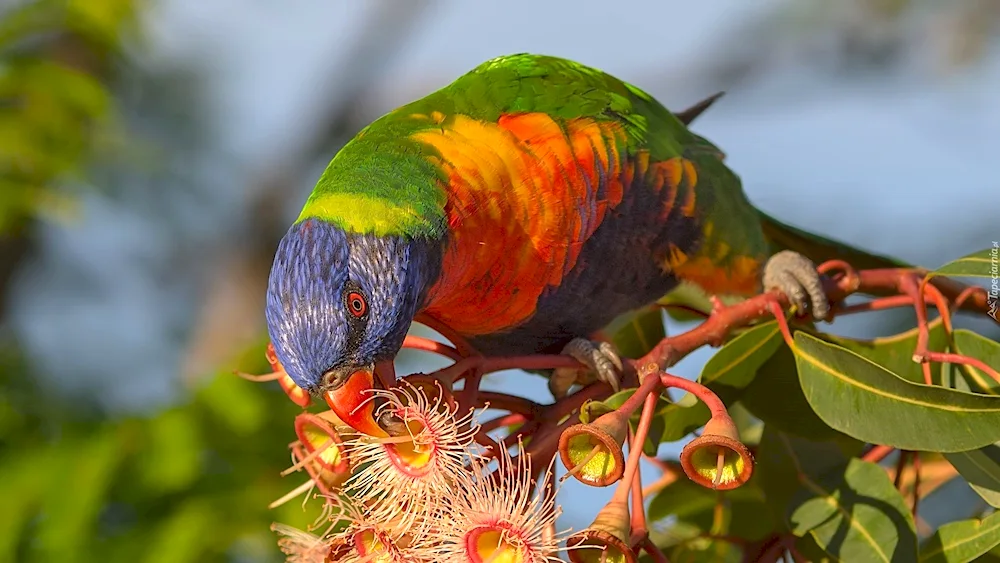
point(56, 58)
point(189, 483)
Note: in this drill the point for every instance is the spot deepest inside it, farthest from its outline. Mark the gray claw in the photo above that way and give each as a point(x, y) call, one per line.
point(607, 349)
point(796, 276)
point(600, 357)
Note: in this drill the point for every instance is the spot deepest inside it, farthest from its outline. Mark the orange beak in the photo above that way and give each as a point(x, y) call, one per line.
point(352, 403)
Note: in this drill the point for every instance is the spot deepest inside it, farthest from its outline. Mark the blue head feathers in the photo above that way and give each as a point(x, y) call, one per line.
point(339, 301)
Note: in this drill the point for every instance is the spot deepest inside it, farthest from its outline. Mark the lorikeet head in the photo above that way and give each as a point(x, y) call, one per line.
point(338, 302)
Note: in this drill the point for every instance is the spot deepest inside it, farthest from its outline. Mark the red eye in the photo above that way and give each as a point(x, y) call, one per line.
point(356, 304)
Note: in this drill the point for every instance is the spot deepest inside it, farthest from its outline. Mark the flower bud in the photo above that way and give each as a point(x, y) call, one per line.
point(592, 452)
point(717, 459)
point(606, 539)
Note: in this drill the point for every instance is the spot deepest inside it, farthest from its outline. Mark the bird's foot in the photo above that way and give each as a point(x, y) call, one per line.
point(602, 361)
point(795, 275)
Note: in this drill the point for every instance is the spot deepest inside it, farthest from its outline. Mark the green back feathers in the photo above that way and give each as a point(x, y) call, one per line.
point(383, 182)
point(380, 183)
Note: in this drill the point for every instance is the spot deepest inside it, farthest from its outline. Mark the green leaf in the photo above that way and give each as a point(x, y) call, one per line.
point(74, 502)
point(776, 397)
point(867, 402)
point(973, 345)
point(978, 265)
point(811, 550)
point(24, 479)
point(727, 373)
point(185, 534)
point(744, 509)
point(856, 516)
point(958, 542)
point(895, 353)
point(848, 506)
point(635, 333)
point(733, 367)
point(173, 452)
point(687, 296)
point(706, 550)
point(785, 461)
point(981, 469)
point(234, 400)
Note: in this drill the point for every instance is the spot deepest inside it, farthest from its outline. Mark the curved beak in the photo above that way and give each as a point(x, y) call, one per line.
point(352, 402)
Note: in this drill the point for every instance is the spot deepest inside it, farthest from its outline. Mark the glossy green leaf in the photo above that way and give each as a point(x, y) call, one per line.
point(635, 333)
point(785, 461)
point(856, 516)
point(811, 550)
point(733, 367)
point(848, 506)
point(973, 345)
point(775, 396)
point(727, 373)
point(687, 296)
point(962, 541)
point(978, 264)
point(744, 509)
point(981, 468)
point(706, 550)
point(864, 400)
point(895, 353)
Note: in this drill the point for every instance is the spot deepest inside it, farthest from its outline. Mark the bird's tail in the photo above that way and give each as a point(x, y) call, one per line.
point(819, 249)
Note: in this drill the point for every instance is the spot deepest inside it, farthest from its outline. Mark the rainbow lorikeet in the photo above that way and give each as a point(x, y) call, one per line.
point(524, 206)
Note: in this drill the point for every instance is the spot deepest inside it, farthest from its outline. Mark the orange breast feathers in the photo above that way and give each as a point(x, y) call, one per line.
point(524, 195)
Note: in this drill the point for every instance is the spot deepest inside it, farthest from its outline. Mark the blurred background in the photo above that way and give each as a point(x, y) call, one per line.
point(152, 153)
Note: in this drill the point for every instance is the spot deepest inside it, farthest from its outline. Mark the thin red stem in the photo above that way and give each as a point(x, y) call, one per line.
point(658, 556)
point(528, 429)
point(635, 450)
point(471, 390)
point(909, 286)
point(507, 402)
point(704, 394)
point(504, 420)
point(779, 317)
point(941, 303)
point(649, 386)
point(461, 344)
point(879, 304)
point(273, 376)
point(534, 361)
point(484, 439)
point(638, 525)
point(638, 515)
point(878, 453)
point(433, 346)
point(453, 372)
point(569, 404)
point(950, 358)
point(900, 465)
